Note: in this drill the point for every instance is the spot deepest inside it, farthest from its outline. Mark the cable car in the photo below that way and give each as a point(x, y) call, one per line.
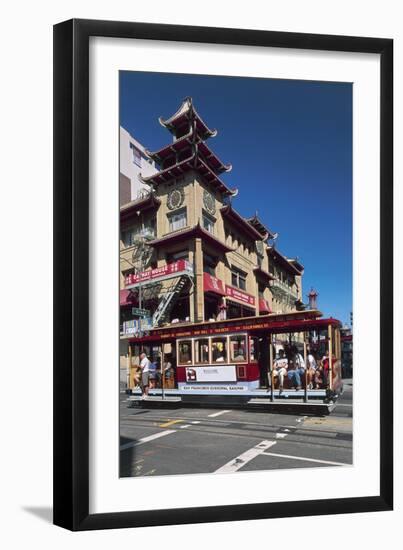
point(235, 361)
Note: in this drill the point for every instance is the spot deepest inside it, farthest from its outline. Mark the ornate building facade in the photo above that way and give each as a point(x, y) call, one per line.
point(187, 255)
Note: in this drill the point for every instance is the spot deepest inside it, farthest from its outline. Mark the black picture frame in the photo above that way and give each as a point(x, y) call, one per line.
point(71, 274)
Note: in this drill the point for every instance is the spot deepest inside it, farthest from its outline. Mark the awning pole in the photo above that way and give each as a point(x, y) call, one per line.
point(130, 367)
point(306, 370)
point(271, 371)
point(330, 373)
point(162, 371)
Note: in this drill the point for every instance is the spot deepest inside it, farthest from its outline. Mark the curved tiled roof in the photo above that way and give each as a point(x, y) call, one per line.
point(184, 113)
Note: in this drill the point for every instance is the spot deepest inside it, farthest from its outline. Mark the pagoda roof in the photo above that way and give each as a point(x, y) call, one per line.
point(212, 159)
point(193, 162)
point(147, 202)
point(243, 225)
point(259, 226)
point(293, 266)
point(186, 142)
point(182, 116)
point(195, 231)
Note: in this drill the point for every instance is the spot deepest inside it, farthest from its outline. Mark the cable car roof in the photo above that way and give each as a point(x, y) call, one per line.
point(282, 323)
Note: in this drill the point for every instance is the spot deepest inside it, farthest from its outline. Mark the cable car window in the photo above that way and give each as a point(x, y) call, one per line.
point(219, 350)
point(185, 352)
point(238, 348)
point(253, 350)
point(201, 351)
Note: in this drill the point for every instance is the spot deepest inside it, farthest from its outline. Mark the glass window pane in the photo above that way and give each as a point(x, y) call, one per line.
point(253, 349)
point(219, 350)
point(201, 351)
point(185, 352)
point(238, 348)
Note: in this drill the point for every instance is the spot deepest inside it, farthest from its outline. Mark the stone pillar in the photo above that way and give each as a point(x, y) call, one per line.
point(192, 289)
point(198, 281)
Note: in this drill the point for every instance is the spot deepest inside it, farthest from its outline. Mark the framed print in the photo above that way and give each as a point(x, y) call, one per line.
point(223, 318)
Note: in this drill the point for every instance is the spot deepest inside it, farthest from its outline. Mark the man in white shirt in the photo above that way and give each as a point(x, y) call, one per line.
point(145, 374)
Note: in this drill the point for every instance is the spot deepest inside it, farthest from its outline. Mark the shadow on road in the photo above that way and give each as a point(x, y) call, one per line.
point(127, 455)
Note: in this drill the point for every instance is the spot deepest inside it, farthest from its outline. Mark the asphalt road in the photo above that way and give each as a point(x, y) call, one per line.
point(183, 440)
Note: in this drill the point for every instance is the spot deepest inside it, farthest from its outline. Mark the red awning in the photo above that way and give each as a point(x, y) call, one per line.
point(212, 284)
point(126, 298)
point(264, 306)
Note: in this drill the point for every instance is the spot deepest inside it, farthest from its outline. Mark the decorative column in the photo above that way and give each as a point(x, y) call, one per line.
point(192, 290)
point(198, 280)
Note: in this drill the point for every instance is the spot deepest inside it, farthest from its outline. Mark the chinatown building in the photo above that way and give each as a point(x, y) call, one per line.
point(186, 253)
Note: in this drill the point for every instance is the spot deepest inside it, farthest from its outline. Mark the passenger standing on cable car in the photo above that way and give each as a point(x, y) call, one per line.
point(145, 374)
point(312, 368)
point(297, 368)
point(325, 368)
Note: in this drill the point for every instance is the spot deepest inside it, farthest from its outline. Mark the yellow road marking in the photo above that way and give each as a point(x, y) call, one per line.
point(166, 424)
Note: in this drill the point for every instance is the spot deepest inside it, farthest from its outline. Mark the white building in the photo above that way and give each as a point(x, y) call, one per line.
point(133, 161)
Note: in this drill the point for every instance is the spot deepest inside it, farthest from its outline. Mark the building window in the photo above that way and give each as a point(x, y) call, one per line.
point(253, 348)
point(177, 220)
point(238, 278)
point(175, 256)
point(136, 154)
point(208, 223)
point(209, 264)
point(148, 229)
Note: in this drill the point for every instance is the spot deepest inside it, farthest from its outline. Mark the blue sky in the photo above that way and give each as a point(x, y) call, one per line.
point(290, 145)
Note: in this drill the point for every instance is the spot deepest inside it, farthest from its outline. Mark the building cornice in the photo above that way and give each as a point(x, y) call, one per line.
point(148, 202)
point(262, 274)
point(195, 231)
point(285, 262)
point(233, 216)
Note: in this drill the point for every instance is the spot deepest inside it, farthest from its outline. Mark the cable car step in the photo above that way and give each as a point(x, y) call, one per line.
point(320, 407)
point(155, 399)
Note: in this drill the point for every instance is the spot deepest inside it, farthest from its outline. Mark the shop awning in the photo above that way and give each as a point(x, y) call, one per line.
point(126, 298)
point(212, 284)
point(264, 306)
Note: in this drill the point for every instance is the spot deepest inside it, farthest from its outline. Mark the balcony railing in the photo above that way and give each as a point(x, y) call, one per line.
point(281, 288)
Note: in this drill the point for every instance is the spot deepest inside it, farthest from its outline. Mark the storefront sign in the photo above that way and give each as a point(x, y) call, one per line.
point(239, 295)
point(211, 374)
point(159, 273)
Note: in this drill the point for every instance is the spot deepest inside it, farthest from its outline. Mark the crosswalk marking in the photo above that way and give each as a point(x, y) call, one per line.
point(145, 439)
point(307, 459)
point(219, 413)
point(241, 460)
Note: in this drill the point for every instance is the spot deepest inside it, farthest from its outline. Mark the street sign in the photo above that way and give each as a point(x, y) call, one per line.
point(140, 312)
